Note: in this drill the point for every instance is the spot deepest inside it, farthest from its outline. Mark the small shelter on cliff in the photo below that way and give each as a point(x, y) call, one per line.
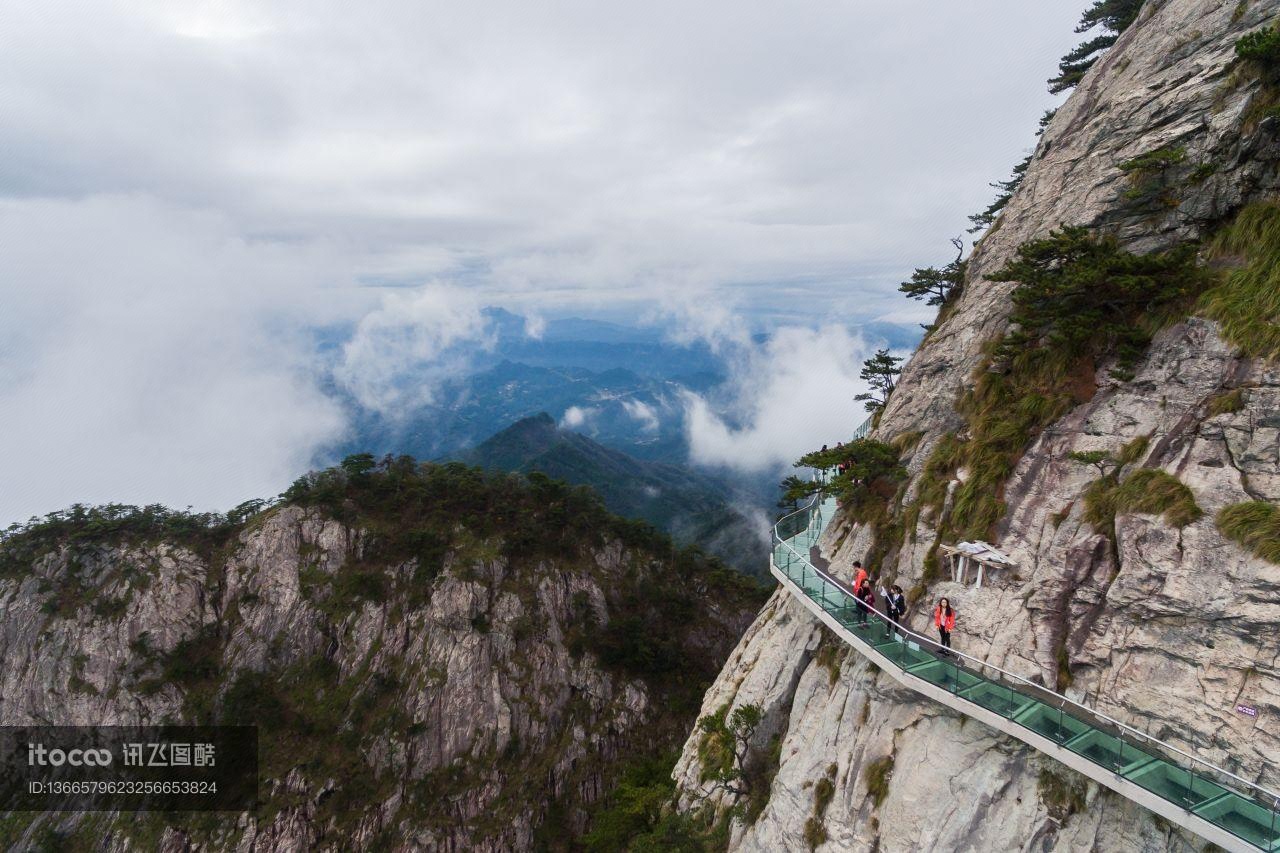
point(964, 555)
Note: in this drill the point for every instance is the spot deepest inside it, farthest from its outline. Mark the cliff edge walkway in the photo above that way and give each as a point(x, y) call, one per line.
point(1211, 802)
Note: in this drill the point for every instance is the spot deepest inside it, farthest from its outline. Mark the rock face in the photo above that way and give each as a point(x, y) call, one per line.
point(1167, 628)
point(475, 699)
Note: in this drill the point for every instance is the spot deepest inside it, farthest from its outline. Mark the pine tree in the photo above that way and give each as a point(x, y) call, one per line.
point(1007, 189)
point(937, 286)
point(1114, 16)
point(881, 373)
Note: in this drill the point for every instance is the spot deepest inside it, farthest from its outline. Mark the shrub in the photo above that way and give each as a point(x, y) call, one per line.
point(636, 804)
point(877, 776)
point(1226, 403)
point(1063, 793)
point(1083, 295)
point(1148, 175)
point(1246, 301)
point(1255, 525)
point(1261, 47)
point(1149, 490)
point(872, 472)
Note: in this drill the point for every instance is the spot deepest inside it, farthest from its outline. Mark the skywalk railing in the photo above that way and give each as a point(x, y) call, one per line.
point(1244, 809)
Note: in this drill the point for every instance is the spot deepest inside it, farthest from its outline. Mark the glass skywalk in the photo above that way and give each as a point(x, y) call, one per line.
point(1249, 813)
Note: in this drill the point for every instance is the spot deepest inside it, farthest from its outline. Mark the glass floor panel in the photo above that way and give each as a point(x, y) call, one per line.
point(945, 675)
point(996, 697)
point(1241, 818)
point(903, 654)
point(1050, 722)
point(1175, 784)
point(1107, 751)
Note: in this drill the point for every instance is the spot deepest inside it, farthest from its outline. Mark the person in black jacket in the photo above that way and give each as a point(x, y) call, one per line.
point(866, 596)
point(896, 607)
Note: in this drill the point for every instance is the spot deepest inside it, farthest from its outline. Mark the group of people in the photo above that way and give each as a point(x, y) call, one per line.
point(944, 615)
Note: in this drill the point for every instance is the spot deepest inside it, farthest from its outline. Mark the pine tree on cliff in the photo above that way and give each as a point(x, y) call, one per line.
point(881, 373)
point(1114, 16)
point(934, 285)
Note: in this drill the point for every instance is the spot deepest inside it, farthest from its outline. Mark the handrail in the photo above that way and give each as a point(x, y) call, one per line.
point(1146, 738)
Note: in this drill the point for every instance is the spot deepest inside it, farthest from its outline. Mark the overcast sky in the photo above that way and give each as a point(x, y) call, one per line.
point(185, 188)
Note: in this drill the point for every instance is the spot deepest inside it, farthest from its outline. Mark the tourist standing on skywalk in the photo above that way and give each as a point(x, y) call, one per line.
point(865, 595)
point(895, 603)
point(944, 619)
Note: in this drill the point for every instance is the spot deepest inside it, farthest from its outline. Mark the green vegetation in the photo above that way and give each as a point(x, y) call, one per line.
point(937, 286)
point(725, 744)
point(1062, 791)
point(1081, 296)
point(1254, 525)
point(1259, 55)
point(82, 528)
point(877, 776)
point(985, 219)
point(1246, 301)
point(728, 761)
point(1100, 459)
point(1226, 403)
point(815, 830)
point(1149, 181)
point(881, 373)
point(831, 655)
point(1262, 49)
point(1114, 17)
point(871, 476)
point(1079, 301)
point(1148, 490)
point(637, 805)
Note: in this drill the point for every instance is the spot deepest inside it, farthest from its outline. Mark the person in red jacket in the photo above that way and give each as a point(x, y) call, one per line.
point(859, 576)
point(944, 619)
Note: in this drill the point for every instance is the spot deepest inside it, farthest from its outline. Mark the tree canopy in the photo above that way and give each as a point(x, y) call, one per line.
point(1114, 17)
point(881, 372)
point(937, 286)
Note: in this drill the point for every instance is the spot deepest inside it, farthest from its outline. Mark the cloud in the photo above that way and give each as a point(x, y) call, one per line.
point(404, 350)
point(644, 413)
point(561, 154)
point(577, 416)
point(150, 355)
point(188, 188)
point(787, 396)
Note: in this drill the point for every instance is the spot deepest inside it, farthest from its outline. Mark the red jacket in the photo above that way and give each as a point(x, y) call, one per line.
point(858, 578)
point(949, 622)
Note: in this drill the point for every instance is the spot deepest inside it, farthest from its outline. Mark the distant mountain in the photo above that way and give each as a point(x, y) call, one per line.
point(692, 507)
point(640, 415)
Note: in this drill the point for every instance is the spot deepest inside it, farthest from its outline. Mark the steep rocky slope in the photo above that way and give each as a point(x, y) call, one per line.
point(437, 658)
point(1162, 625)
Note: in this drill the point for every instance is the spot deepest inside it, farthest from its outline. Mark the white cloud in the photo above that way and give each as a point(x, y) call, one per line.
point(402, 351)
point(790, 395)
point(642, 412)
point(535, 326)
point(150, 355)
point(186, 187)
point(577, 416)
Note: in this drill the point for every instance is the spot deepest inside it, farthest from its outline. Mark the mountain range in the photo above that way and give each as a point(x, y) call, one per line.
point(691, 506)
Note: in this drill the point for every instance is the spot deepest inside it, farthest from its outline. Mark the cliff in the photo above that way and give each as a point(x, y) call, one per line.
point(436, 658)
point(1154, 615)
